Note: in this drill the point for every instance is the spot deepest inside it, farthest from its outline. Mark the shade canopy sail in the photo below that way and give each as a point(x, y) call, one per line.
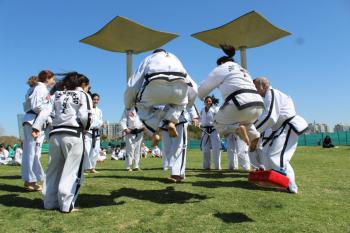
point(122, 35)
point(250, 30)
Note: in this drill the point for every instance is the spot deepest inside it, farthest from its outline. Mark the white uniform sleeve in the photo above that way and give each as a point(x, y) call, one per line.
point(97, 121)
point(192, 92)
point(214, 79)
point(192, 112)
point(135, 84)
point(42, 118)
point(123, 120)
point(270, 115)
point(39, 99)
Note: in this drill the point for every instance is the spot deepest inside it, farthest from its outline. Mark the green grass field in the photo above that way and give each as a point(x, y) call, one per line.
point(119, 201)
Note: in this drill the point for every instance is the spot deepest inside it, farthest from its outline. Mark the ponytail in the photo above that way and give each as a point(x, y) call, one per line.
point(229, 50)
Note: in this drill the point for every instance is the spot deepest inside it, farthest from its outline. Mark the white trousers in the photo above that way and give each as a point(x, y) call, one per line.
point(90, 153)
point(257, 158)
point(174, 149)
point(64, 172)
point(237, 153)
point(171, 94)
point(280, 151)
point(227, 119)
point(31, 168)
point(133, 150)
point(211, 143)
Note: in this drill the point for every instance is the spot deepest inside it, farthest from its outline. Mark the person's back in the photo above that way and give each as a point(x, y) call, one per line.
point(160, 79)
point(66, 107)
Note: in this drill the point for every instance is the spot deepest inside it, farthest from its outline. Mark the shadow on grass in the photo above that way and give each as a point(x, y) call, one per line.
point(145, 178)
point(13, 200)
point(110, 169)
point(10, 177)
point(164, 196)
point(234, 217)
point(12, 188)
point(232, 184)
point(218, 175)
point(152, 169)
point(96, 200)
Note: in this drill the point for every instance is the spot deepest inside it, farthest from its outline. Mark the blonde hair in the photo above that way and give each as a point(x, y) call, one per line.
point(32, 81)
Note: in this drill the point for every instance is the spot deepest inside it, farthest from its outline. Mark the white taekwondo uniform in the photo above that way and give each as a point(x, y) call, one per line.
point(36, 100)
point(242, 102)
point(72, 111)
point(175, 148)
point(92, 140)
point(160, 79)
point(133, 140)
point(237, 153)
point(286, 126)
point(210, 139)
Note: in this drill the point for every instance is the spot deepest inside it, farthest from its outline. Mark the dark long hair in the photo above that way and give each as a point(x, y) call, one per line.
point(229, 50)
point(73, 80)
point(213, 99)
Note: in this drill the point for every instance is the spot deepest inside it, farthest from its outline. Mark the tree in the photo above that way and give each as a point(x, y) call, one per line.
point(9, 140)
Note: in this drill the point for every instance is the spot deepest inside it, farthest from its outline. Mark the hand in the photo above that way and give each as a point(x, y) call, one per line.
point(127, 131)
point(35, 133)
point(195, 122)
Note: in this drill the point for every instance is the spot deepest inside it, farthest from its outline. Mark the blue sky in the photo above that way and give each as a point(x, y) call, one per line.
point(312, 65)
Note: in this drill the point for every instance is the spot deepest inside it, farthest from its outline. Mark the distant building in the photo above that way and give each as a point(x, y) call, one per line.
point(20, 126)
point(318, 128)
point(112, 130)
point(341, 127)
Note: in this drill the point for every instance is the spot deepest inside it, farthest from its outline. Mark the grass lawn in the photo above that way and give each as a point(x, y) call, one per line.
point(208, 201)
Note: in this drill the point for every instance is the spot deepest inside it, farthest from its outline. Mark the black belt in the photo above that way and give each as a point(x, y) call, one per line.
point(32, 112)
point(95, 134)
point(65, 129)
point(233, 95)
point(208, 129)
point(148, 76)
point(136, 131)
point(274, 134)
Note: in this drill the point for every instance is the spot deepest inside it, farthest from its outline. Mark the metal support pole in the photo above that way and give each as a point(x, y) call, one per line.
point(128, 64)
point(243, 52)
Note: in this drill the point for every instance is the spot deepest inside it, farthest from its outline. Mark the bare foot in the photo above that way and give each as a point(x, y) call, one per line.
point(253, 144)
point(242, 133)
point(172, 129)
point(155, 139)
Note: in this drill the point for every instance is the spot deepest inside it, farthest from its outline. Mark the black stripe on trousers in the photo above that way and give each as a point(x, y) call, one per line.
point(284, 147)
point(184, 139)
point(78, 180)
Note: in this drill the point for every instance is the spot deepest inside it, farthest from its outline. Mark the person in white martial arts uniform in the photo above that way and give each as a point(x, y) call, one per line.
point(37, 99)
point(72, 115)
point(175, 148)
point(286, 126)
point(237, 153)
point(133, 136)
point(4, 155)
point(210, 140)
point(144, 150)
point(18, 155)
point(242, 105)
point(160, 79)
point(92, 142)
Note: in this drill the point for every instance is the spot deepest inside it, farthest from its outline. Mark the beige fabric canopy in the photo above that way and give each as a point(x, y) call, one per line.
point(124, 35)
point(250, 30)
